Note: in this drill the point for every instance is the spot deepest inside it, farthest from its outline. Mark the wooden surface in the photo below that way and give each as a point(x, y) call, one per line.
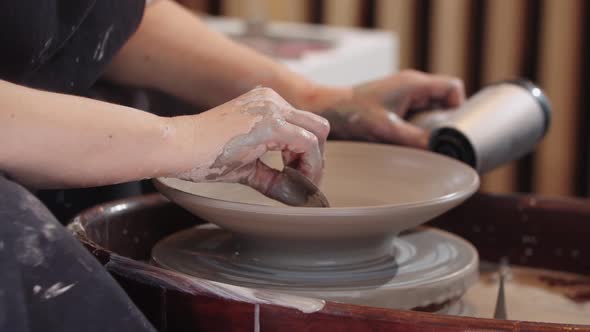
point(530, 230)
point(503, 54)
point(449, 35)
point(399, 16)
point(196, 5)
point(559, 75)
point(342, 12)
point(279, 10)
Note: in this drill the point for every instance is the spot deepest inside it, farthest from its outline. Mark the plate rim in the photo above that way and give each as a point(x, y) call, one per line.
point(336, 211)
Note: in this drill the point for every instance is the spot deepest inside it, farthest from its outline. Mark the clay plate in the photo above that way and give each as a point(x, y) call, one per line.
point(375, 191)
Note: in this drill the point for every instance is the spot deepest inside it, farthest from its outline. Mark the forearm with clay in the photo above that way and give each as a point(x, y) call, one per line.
point(236, 134)
point(51, 140)
point(175, 52)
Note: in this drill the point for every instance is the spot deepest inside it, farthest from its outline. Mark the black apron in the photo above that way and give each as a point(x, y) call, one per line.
point(63, 45)
point(48, 281)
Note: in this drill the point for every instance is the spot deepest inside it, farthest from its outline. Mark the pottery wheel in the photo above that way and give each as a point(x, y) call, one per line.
point(426, 266)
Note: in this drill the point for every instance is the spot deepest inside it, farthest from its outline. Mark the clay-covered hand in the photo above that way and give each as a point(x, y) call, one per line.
point(230, 139)
point(375, 111)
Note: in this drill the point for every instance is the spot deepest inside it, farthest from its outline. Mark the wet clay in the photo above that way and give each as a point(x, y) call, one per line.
point(533, 294)
point(575, 289)
point(360, 120)
point(270, 129)
point(376, 110)
point(290, 187)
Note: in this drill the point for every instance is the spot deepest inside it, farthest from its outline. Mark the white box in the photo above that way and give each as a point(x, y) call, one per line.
point(354, 55)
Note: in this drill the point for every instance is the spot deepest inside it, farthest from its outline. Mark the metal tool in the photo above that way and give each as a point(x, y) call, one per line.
point(503, 272)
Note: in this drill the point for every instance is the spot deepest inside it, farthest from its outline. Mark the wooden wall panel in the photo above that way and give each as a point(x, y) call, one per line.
point(196, 5)
point(559, 63)
point(503, 51)
point(278, 10)
point(240, 8)
point(449, 36)
point(399, 17)
point(342, 12)
point(288, 10)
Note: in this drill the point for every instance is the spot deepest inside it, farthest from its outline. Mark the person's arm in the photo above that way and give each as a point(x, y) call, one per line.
point(175, 52)
point(51, 140)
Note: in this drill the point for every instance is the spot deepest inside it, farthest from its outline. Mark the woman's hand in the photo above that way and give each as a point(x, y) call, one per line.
point(230, 139)
point(217, 69)
point(375, 111)
point(51, 140)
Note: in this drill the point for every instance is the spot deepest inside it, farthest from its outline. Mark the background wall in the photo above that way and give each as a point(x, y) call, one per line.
point(480, 41)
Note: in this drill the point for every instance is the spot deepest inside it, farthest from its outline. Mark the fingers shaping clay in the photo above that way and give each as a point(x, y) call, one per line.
point(293, 188)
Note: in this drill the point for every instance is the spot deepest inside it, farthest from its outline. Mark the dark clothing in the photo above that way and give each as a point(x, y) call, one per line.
point(48, 281)
point(63, 45)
